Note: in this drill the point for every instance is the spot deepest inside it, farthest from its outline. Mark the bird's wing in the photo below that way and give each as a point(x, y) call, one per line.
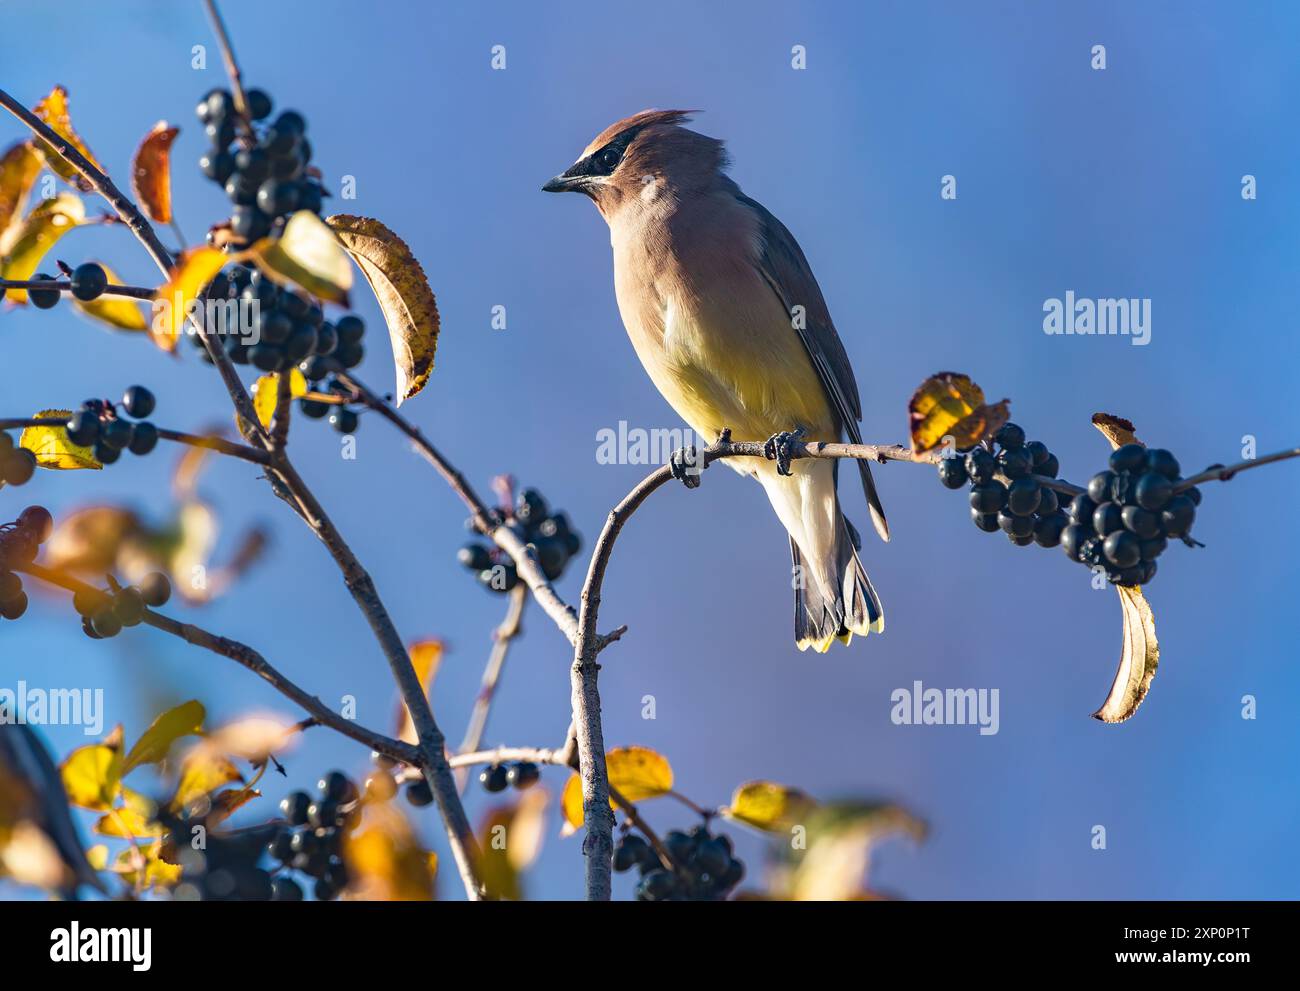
point(784, 268)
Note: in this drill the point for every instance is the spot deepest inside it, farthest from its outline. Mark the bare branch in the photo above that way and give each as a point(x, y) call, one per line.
point(211, 443)
point(63, 285)
point(247, 657)
point(502, 637)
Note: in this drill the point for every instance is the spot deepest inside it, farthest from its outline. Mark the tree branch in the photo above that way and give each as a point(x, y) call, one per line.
point(247, 657)
point(218, 444)
point(502, 637)
point(63, 285)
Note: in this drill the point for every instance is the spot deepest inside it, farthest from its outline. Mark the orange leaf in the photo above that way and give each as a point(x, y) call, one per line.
point(151, 178)
point(53, 110)
point(949, 404)
point(193, 270)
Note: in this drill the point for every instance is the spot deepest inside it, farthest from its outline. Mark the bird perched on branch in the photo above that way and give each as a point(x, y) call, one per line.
point(728, 320)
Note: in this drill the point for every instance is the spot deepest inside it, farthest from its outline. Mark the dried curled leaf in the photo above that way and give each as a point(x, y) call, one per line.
point(151, 176)
point(1115, 429)
point(1138, 660)
point(1140, 655)
point(53, 110)
point(19, 167)
point(29, 242)
point(637, 773)
point(192, 272)
point(204, 769)
point(769, 806)
point(840, 841)
point(52, 447)
point(154, 744)
point(308, 255)
point(950, 404)
point(404, 296)
point(266, 390)
point(119, 312)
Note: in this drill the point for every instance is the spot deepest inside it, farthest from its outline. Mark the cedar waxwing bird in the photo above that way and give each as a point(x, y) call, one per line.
point(729, 322)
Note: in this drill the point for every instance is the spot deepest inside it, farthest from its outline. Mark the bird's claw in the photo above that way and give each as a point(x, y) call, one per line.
point(780, 448)
point(687, 466)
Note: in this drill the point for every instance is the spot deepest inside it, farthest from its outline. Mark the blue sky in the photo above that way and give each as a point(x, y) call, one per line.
point(1121, 182)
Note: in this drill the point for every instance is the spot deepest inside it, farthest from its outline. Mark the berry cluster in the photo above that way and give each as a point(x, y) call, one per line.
point(706, 870)
point(225, 869)
point(286, 327)
point(18, 544)
point(499, 777)
point(554, 541)
point(312, 843)
point(350, 330)
point(268, 177)
point(1023, 508)
point(104, 613)
point(98, 425)
point(1125, 519)
point(87, 283)
point(17, 464)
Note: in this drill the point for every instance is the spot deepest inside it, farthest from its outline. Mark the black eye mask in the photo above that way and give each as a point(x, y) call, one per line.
point(605, 160)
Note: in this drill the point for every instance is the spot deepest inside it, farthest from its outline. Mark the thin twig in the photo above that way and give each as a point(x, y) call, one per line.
point(247, 657)
point(1221, 474)
point(283, 407)
point(218, 444)
point(63, 285)
point(232, 66)
point(502, 637)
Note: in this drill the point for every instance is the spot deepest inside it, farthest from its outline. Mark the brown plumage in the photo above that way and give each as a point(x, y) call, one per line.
point(730, 324)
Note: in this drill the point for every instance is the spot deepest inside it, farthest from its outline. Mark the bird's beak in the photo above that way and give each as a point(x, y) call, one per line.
point(564, 183)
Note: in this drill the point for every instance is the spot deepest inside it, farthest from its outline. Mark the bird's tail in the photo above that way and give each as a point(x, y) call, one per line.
point(821, 615)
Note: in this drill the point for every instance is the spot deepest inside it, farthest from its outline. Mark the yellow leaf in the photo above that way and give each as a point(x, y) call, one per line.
point(88, 540)
point(950, 404)
point(38, 232)
point(386, 860)
point(151, 178)
point(120, 312)
point(53, 110)
point(204, 770)
point(265, 390)
point(840, 840)
point(97, 856)
point(308, 255)
point(426, 655)
point(637, 773)
point(227, 803)
point(92, 776)
point(157, 872)
point(154, 744)
point(193, 271)
point(19, 167)
point(404, 296)
point(52, 447)
point(769, 806)
point(510, 839)
point(134, 819)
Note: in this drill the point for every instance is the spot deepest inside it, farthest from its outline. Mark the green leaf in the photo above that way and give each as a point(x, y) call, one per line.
point(156, 742)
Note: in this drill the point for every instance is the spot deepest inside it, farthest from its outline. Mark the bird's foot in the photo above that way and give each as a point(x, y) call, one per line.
point(780, 448)
point(687, 465)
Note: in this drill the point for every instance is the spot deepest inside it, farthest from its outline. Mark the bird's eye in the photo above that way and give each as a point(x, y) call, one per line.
point(608, 160)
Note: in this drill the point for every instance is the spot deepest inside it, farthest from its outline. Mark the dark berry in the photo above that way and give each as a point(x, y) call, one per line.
point(105, 622)
point(218, 165)
point(294, 808)
point(286, 889)
point(281, 848)
point(1099, 486)
point(277, 196)
point(156, 589)
point(476, 557)
point(988, 497)
point(1010, 435)
point(313, 408)
point(38, 522)
point(1015, 462)
point(1024, 496)
point(656, 886)
point(337, 786)
point(952, 472)
point(980, 465)
point(144, 438)
point(14, 608)
point(1048, 529)
point(1016, 526)
point(344, 420)
point(258, 104)
point(1130, 457)
point(128, 606)
point(1049, 502)
point(83, 428)
point(327, 338)
point(523, 775)
point(1142, 522)
point(1122, 549)
point(1153, 548)
point(1178, 516)
point(350, 329)
point(1081, 509)
point(630, 852)
point(494, 778)
point(1049, 468)
point(1072, 539)
point(88, 281)
point(1162, 461)
point(1106, 518)
point(116, 434)
point(1153, 491)
point(138, 402)
point(988, 522)
point(418, 793)
point(43, 299)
